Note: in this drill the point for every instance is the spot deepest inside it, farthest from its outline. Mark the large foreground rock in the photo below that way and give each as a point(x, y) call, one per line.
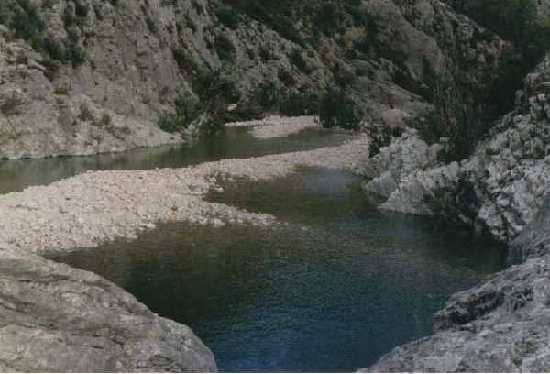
point(55, 318)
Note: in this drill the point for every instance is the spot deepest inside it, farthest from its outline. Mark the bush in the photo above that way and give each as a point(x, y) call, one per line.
point(338, 110)
point(297, 60)
point(207, 110)
point(187, 110)
point(227, 16)
point(23, 18)
point(453, 118)
point(225, 49)
point(297, 103)
point(518, 22)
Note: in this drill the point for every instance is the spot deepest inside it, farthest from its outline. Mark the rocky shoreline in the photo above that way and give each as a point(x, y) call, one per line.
point(502, 188)
point(498, 326)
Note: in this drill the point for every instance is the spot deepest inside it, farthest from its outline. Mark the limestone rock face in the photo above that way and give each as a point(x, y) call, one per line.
point(132, 58)
point(504, 187)
point(55, 318)
point(501, 187)
point(393, 164)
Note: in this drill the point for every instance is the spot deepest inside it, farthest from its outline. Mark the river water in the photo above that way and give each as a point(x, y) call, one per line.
point(333, 289)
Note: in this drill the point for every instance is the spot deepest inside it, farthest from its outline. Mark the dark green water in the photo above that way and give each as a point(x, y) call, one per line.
point(233, 143)
point(333, 290)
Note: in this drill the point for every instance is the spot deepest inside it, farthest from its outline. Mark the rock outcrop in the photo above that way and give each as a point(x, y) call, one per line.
point(55, 318)
point(500, 188)
point(503, 187)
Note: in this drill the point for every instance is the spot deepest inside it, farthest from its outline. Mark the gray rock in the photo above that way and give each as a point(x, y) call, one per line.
point(55, 318)
point(500, 188)
point(500, 325)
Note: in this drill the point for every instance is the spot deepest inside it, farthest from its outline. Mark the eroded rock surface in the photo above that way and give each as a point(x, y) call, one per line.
point(136, 56)
point(500, 188)
point(55, 318)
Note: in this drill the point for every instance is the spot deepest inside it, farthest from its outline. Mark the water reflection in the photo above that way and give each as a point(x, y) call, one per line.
point(233, 143)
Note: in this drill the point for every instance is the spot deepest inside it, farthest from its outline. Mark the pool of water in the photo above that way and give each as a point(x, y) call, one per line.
point(16, 175)
point(333, 289)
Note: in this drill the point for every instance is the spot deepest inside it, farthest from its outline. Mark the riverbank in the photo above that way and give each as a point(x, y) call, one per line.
point(55, 318)
point(498, 326)
point(277, 126)
point(503, 188)
point(100, 206)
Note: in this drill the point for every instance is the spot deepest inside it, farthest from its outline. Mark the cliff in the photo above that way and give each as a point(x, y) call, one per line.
point(90, 76)
point(503, 189)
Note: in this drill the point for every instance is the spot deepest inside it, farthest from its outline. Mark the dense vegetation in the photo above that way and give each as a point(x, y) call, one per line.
point(205, 108)
point(518, 22)
point(468, 114)
point(24, 20)
point(316, 17)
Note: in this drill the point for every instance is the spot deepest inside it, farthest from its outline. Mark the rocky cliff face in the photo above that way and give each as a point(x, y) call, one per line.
point(95, 75)
point(500, 188)
point(503, 188)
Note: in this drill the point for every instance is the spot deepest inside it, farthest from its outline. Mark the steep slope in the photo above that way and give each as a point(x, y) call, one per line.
point(500, 188)
point(89, 76)
point(503, 188)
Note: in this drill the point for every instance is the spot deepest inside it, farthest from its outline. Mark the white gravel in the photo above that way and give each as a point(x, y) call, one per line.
point(100, 206)
point(278, 126)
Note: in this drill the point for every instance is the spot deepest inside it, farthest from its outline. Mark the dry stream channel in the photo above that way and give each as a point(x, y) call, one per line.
point(333, 289)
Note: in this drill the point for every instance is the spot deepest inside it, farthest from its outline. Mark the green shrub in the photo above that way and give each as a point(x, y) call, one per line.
point(207, 110)
point(169, 122)
point(225, 49)
point(214, 85)
point(23, 18)
point(316, 17)
point(518, 22)
point(297, 103)
point(187, 110)
point(297, 60)
point(338, 110)
point(227, 16)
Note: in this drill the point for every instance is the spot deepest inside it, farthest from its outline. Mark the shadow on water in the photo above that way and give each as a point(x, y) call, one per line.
point(332, 290)
point(16, 175)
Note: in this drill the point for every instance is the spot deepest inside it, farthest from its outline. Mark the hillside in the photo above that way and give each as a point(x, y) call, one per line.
point(90, 76)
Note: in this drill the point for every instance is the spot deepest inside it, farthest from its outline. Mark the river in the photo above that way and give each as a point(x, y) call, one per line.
point(332, 289)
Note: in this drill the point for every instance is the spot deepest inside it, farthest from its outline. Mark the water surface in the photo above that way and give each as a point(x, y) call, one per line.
point(332, 290)
point(16, 175)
